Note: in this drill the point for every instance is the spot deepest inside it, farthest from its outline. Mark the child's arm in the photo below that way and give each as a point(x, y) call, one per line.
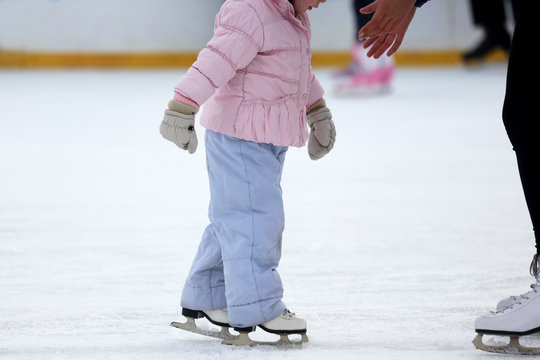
point(238, 37)
point(316, 92)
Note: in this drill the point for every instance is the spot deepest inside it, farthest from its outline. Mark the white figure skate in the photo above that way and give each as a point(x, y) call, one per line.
point(509, 301)
point(217, 317)
point(284, 325)
point(515, 317)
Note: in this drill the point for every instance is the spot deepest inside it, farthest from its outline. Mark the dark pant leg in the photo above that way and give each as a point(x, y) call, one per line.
point(516, 8)
point(488, 13)
point(360, 19)
point(520, 112)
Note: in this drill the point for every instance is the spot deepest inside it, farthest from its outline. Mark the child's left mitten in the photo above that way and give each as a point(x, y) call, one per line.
point(178, 126)
point(323, 132)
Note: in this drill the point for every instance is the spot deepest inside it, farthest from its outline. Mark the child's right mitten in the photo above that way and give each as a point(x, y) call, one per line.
point(178, 126)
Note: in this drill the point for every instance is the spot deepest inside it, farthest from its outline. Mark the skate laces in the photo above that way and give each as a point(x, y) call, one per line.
point(287, 314)
point(517, 300)
point(526, 295)
point(535, 272)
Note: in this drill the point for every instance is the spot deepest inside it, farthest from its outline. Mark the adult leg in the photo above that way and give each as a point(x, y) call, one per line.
point(490, 16)
point(365, 75)
point(520, 112)
point(518, 316)
point(516, 8)
point(360, 19)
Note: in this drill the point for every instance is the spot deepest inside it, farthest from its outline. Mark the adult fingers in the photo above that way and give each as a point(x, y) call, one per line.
point(374, 27)
point(369, 42)
point(382, 44)
point(397, 43)
point(376, 44)
point(375, 48)
point(386, 44)
point(370, 8)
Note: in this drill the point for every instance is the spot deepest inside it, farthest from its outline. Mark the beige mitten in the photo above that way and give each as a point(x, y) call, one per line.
point(178, 126)
point(323, 132)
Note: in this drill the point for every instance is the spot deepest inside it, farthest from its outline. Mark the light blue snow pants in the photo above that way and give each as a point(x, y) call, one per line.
point(236, 263)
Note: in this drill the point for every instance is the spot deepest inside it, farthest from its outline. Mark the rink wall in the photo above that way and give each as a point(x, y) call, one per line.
point(169, 33)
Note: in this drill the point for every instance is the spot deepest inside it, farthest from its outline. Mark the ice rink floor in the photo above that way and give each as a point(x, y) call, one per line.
point(414, 225)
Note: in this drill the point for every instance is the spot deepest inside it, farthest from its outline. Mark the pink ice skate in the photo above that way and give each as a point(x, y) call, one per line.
point(366, 75)
point(376, 81)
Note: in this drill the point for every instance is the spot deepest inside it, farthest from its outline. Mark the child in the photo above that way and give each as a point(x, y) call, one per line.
point(255, 79)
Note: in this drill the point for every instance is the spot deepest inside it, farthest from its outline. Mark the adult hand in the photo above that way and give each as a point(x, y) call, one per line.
point(387, 28)
point(391, 40)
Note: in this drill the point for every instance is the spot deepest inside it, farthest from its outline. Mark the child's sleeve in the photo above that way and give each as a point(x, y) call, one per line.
point(238, 37)
point(316, 91)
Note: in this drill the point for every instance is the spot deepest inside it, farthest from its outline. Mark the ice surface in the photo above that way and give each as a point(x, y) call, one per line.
point(394, 243)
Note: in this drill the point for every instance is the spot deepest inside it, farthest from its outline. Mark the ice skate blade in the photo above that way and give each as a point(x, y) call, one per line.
point(513, 347)
point(191, 326)
point(243, 339)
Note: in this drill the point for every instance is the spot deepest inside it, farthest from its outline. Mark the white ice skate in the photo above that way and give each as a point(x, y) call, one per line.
point(284, 325)
point(515, 317)
point(217, 317)
point(506, 303)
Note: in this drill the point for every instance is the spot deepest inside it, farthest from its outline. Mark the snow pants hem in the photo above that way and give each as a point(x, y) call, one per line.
point(204, 298)
point(257, 313)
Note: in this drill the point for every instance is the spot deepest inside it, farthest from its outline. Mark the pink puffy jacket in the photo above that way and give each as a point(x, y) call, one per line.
point(254, 75)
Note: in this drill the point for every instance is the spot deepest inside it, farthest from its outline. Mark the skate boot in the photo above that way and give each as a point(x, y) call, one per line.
point(353, 67)
point(350, 70)
point(515, 316)
point(284, 325)
point(506, 303)
point(366, 83)
point(369, 76)
point(495, 46)
point(217, 317)
point(509, 301)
